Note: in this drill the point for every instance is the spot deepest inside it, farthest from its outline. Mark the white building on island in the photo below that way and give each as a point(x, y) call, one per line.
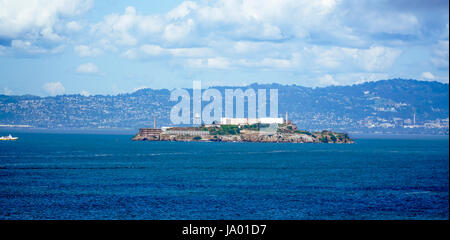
point(250, 121)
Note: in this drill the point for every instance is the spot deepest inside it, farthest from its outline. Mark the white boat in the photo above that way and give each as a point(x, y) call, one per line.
point(8, 138)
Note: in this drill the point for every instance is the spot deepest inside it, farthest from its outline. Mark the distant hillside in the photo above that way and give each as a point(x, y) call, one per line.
point(386, 106)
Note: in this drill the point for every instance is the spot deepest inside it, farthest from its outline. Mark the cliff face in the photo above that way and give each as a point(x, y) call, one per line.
point(285, 134)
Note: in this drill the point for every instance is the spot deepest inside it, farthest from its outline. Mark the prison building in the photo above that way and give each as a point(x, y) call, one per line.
point(186, 133)
point(250, 121)
point(149, 132)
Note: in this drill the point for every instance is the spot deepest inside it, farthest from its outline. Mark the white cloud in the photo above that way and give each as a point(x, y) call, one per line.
point(148, 51)
point(195, 63)
point(54, 88)
point(87, 68)
point(349, 78)
point(178, 31)
point(256, 20)
point(267, 19)
point(86, 51)
point(139, 88)
point(275, 63)
point(379, 58)
point(117, 27)
point(3, 50)
point(6, 91)
point(376, 22)
point(440, 55)
point(213, 63)
point(27, 46)
point(182, 10)
point(246, 46)
point(85, 93)
point(190, 52)
point(217, 62)
point(39, 27)
point(428, 75)
point(73, 26)
point(107, 45)
point(226, 63)
point(375, 58)
point(245, 33)
point(324, 38)
point(152, 50)
point(326, 80)
point(20, 47)
point(126, 29)
point(33, 19)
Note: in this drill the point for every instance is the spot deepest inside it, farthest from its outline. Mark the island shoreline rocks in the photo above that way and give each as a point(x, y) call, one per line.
point(283, 133)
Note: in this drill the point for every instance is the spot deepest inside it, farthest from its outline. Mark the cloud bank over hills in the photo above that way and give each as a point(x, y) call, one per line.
point(312, 43)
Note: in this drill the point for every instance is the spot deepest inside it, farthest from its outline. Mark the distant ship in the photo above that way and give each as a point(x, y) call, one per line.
point(8, 138)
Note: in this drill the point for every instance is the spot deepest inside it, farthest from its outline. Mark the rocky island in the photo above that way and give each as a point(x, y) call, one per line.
point(286, 132)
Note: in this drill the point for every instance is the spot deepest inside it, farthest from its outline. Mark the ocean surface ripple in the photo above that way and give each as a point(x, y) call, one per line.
point(80, 176)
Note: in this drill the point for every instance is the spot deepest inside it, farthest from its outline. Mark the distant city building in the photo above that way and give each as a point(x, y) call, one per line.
point(250, 121)
point(165, 128)
point(149, 132)
point(186, 133)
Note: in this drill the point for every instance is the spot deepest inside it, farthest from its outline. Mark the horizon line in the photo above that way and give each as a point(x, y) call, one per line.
point(232, 86)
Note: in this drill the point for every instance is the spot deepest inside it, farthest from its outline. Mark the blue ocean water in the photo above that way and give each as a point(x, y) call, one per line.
point(77, 176)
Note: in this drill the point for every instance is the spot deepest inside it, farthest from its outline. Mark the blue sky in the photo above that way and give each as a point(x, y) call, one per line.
point(109, 47)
